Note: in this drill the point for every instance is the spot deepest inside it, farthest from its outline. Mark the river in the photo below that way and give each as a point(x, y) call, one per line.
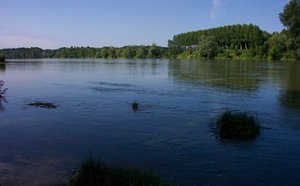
point(171, 133)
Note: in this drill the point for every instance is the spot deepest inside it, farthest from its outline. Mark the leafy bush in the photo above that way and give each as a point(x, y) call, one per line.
point(237, 126)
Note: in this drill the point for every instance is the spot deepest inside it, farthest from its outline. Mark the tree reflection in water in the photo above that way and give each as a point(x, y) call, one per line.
point(290, 93)
point(2, 92)
point(242, 77)
point(2, 67)
point(233, 76)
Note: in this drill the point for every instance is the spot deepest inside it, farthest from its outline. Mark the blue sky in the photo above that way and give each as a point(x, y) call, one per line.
point(97, 23)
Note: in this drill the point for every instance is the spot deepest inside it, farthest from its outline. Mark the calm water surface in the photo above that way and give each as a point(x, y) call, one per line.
point(172, 133)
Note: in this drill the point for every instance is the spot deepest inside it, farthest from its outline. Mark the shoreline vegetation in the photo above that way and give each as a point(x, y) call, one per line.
point(233, 42)
point(93, 171)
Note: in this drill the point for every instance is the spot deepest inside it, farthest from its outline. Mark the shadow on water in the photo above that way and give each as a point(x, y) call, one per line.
point(2, 100)
point(2, 93)
point(2, 67)
point(290, 94)
point(226, 75)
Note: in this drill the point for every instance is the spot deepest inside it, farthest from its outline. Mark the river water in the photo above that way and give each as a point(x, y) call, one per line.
point(172, 132)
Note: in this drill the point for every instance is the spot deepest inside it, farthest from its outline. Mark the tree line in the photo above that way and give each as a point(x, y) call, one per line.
point(152, 51)
point(236, 42)
point(222, 42)
point(245, 41)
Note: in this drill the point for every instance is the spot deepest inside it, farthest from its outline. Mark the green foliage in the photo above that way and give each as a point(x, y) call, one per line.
point(235, 42)
point(247, 54)
point(226, 54)
point(93, 172)
point(141, 53)
point(277, 46)
point(208, 47)
point(240, 126)
point(89, 52)
point(228, 42)
point(274, 53)
point(290, 17)
point(233, 37)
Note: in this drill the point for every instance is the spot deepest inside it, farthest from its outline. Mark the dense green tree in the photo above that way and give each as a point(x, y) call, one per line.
point(234, 41)
point(104, 53)
point(290, 17)
point(208, 47)
point(141, 52)
point(227, 37)
point(88, 52)
point(127, 52)
point(153, 52)
point(277, 45)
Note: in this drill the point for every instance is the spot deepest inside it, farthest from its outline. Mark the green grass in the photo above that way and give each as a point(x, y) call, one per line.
point(240, 126)
point(135, 106)
point(93, 172)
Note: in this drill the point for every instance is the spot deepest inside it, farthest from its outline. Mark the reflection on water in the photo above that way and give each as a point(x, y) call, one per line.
point(2, 67)
point(290, 93)
point(171, 133)
point(2, 89)
point(232, 75)
point(245, 76)
point(290, 98)
point(2, 102)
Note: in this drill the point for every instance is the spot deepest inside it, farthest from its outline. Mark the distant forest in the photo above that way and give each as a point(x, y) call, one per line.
point(228, 42)
point(88, 52)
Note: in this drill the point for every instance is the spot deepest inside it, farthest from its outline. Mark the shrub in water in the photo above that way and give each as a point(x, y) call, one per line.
point(135, 106)
point(237, 126)
point(95, 173)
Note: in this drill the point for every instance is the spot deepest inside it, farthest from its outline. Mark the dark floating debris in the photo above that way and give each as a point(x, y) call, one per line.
point(43, 105)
